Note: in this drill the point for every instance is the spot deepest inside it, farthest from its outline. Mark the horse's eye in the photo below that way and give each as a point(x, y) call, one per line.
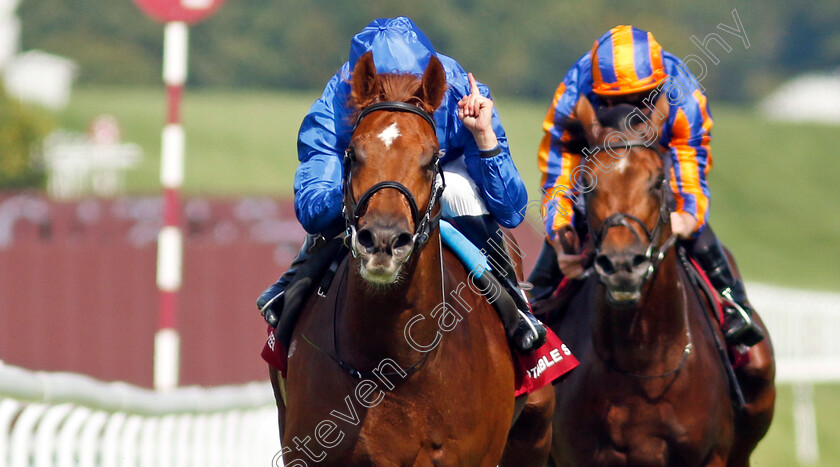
point(432, 163)
point(659, 183)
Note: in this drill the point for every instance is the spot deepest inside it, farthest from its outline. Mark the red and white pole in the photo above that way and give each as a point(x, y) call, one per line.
point(170, 238)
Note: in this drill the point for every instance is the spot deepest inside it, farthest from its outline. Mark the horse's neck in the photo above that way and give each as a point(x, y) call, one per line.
point(374, 320)
point(652, 334)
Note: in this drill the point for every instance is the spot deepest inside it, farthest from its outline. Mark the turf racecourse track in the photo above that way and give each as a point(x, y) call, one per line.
point(96, 258)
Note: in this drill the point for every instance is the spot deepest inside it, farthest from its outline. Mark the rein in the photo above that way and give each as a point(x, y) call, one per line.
point(353, 210)
point(685, 353)
point(353, 372)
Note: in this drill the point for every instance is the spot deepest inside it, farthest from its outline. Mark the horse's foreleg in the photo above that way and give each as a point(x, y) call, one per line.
point(529, 439)
point(279, 396)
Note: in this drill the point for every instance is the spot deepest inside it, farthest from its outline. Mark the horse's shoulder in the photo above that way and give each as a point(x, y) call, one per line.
point(452, 265)
point(320, 299)
point(576, 310)
point(701, 295)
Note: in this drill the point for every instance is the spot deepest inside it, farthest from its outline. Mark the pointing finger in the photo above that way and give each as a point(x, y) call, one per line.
point(473, 85)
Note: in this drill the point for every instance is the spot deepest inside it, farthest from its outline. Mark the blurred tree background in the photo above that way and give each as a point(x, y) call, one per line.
point(22, 131)
point(518, 48)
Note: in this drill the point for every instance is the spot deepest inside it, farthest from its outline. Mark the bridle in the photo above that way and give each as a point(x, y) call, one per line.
point(353, 210)
point(655, 252)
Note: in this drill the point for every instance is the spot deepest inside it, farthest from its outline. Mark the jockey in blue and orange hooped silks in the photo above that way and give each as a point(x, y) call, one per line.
point(483, 186)
point(627, 65)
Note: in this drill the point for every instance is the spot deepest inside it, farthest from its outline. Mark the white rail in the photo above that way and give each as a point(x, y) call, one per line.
point(804, 327)
point(62, 419)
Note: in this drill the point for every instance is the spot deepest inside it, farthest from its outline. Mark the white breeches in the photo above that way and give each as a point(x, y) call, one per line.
point(461, 196)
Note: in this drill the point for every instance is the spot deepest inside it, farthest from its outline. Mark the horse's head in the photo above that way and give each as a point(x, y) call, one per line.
point(392, 183)
point(625, 180)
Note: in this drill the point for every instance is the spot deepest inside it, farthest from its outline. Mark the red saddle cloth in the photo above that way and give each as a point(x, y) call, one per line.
point(717, 302)
point(533, 371)
point(544, 365)
point(738, 355)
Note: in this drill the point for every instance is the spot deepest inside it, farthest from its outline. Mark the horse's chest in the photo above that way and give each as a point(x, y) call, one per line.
point(404, 435)
point(628, 425)
point(638, 430)
point(407, 445)
point(406, 427)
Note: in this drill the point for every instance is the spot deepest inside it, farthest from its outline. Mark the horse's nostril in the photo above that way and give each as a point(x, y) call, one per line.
point(604, 263)
point(639, 260)
point(365, 239)
point(403, 239)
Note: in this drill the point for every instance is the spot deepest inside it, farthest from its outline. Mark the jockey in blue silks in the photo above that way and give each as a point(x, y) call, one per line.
point(483, 186)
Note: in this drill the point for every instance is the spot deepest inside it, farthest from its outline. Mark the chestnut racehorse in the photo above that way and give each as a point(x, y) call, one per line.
point(387, 369)
point(651, 388)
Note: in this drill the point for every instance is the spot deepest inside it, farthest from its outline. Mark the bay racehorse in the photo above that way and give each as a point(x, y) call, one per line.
point(651, 388)
point(386, 369)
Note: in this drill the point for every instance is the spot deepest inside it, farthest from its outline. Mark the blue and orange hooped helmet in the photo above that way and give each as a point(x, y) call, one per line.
point(626, 60)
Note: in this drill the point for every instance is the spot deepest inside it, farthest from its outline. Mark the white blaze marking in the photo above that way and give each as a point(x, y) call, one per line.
point(621, 165)
point(389, 134)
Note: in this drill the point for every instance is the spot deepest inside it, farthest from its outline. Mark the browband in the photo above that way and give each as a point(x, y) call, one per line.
point(395, 106)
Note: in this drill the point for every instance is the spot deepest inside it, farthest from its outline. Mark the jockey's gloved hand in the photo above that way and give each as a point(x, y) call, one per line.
point(683, 224)
point(570, 258)
point(270, 302)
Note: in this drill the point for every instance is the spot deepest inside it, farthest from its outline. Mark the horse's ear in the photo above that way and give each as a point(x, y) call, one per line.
point(433, 85)
point(659, 114)
point(365, 80)
point(586, 114)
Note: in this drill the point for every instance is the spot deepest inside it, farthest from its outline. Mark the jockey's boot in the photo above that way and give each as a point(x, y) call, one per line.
point(270, 302)
point(738, 326)
point(529, 333)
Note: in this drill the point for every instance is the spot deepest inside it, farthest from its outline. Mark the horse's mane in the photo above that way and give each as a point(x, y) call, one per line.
point(609, 117)
point(399, 87)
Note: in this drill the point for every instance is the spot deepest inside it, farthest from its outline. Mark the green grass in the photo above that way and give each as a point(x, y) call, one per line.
point(237, 143)
point(774, 185)
point(774, 189)
point(778, 447)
